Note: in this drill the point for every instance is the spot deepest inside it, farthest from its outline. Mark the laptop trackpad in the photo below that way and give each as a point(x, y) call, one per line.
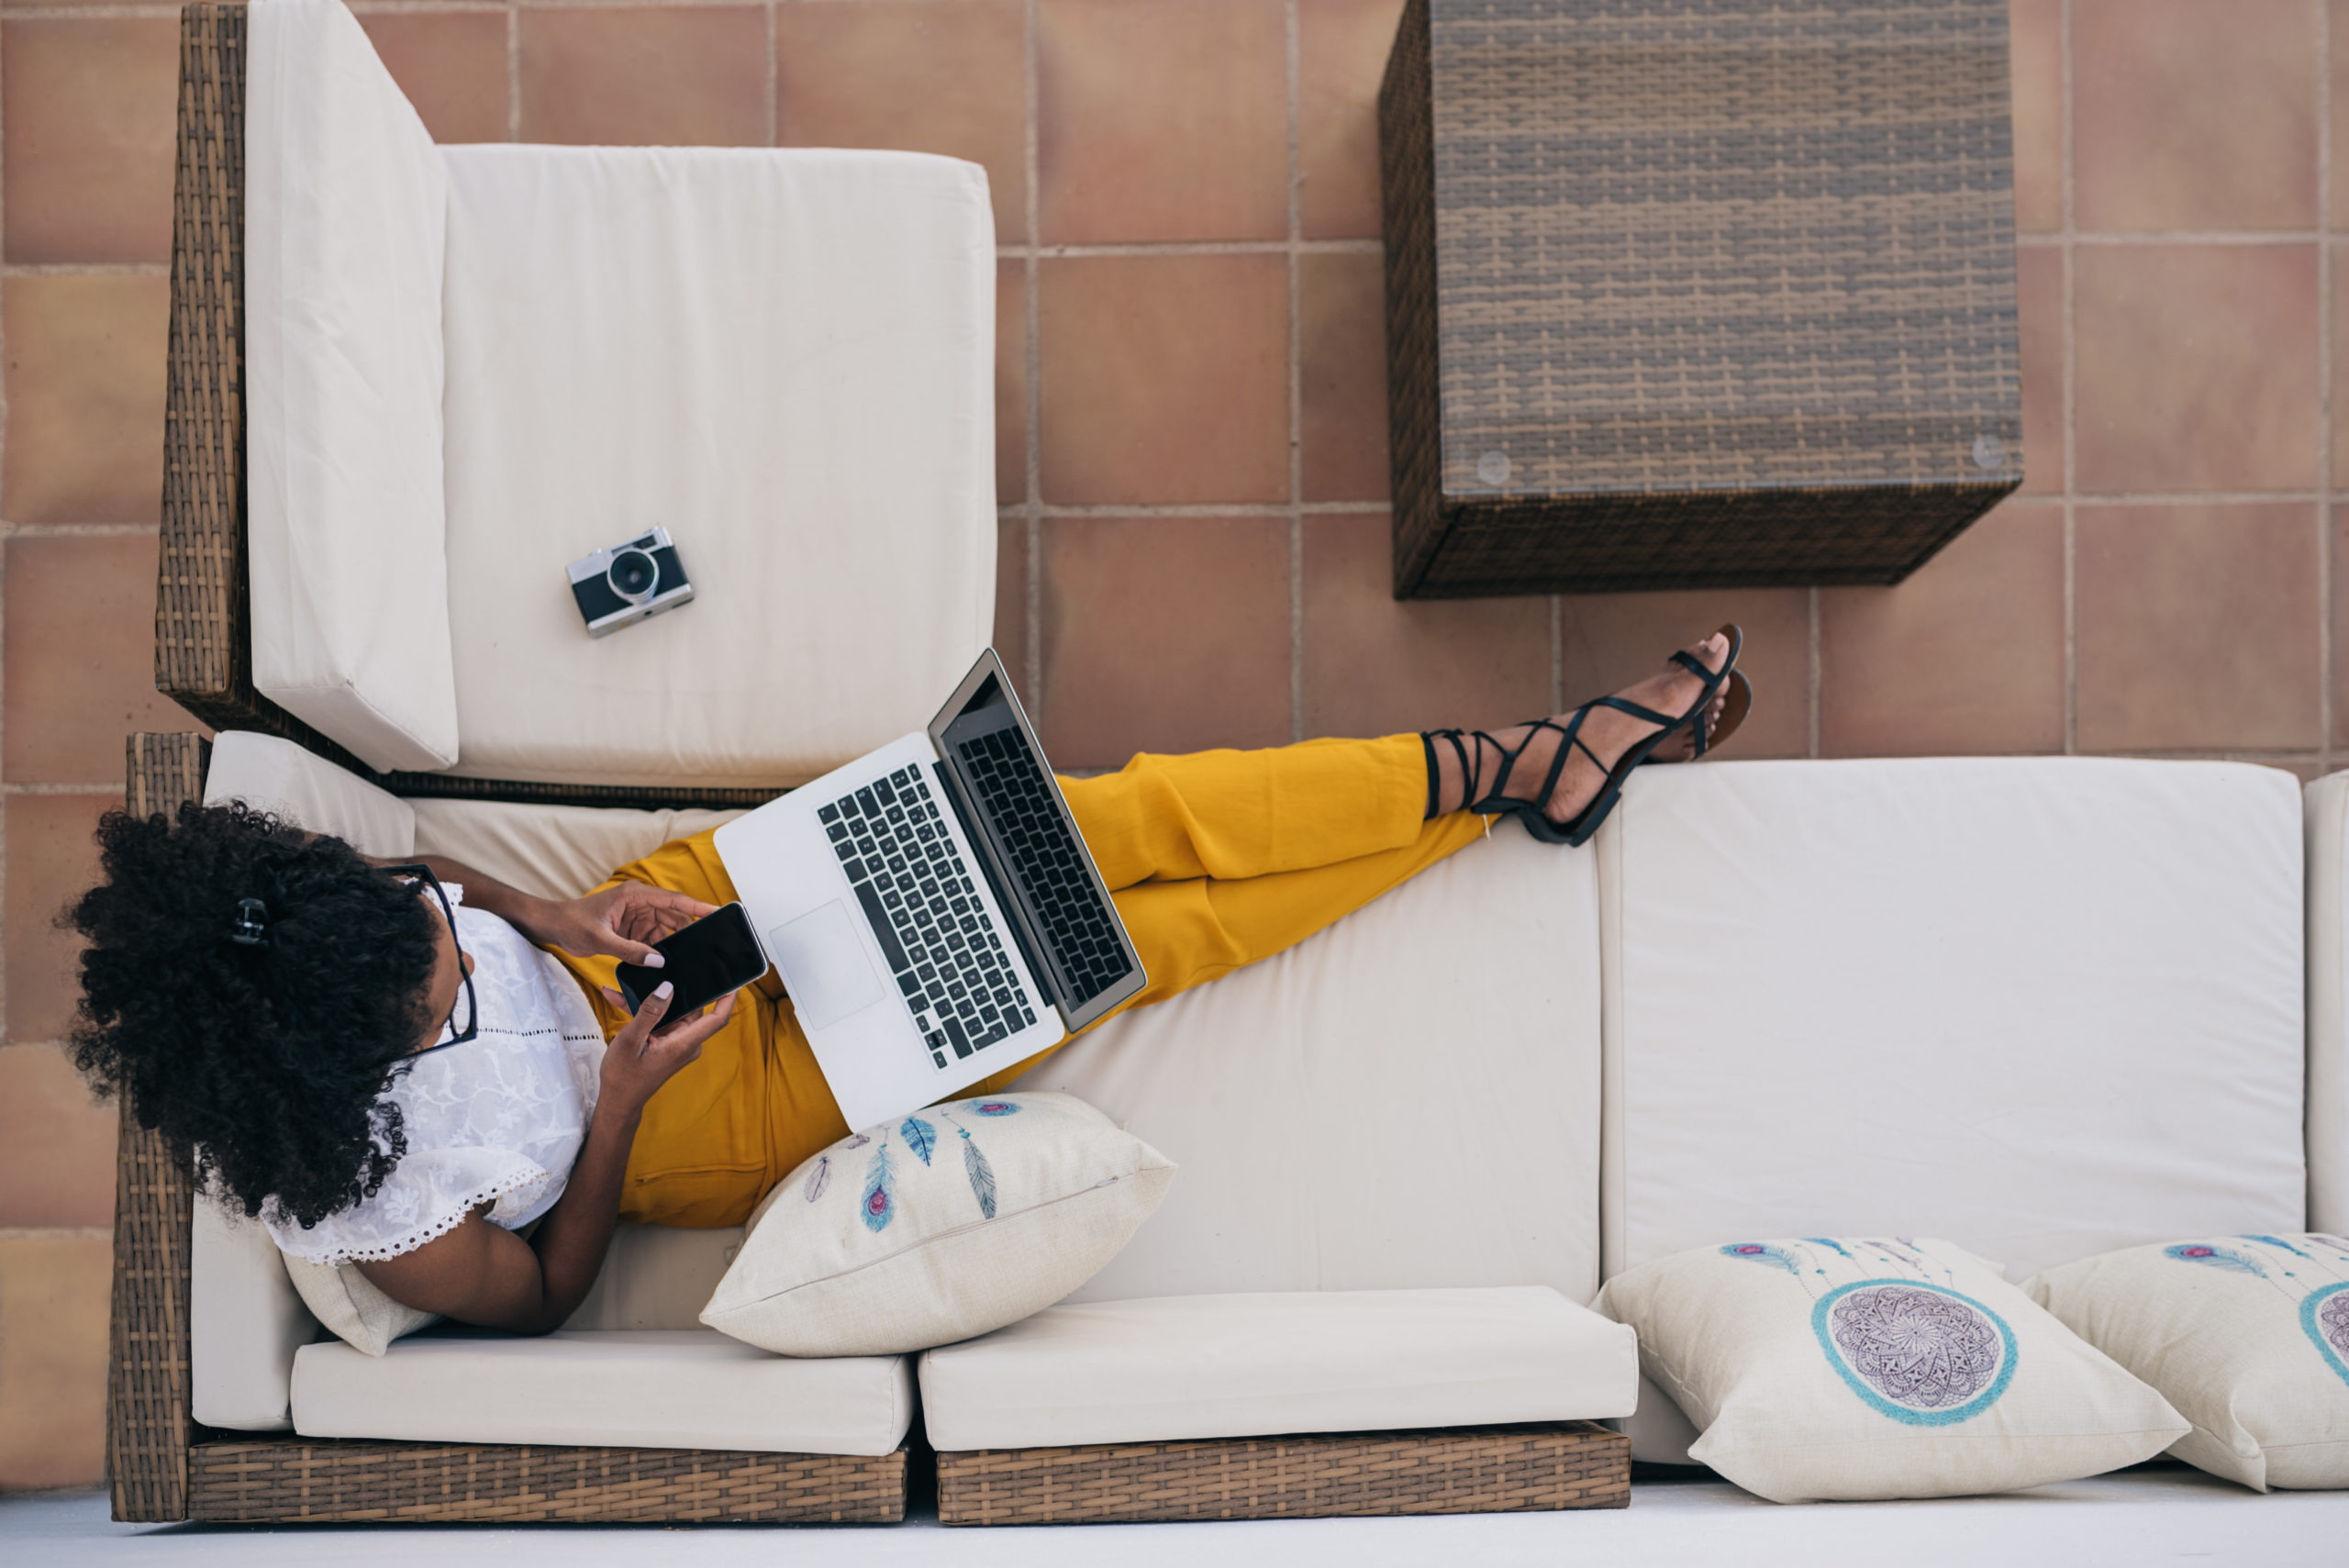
point(824, 966)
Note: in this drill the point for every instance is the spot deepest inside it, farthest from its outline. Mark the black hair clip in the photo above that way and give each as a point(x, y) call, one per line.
point(251, 923)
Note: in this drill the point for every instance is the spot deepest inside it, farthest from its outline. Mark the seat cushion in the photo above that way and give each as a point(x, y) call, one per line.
point(785, 358)
point(1249, 1365)
point(646, 1388)
point(346, 216)
point(1407, 1099)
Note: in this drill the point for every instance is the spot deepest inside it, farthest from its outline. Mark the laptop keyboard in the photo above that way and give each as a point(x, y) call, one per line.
point(1047, 858)
point(918, 895)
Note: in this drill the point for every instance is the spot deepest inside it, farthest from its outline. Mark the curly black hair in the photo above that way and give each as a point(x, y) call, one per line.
point(264, 1064)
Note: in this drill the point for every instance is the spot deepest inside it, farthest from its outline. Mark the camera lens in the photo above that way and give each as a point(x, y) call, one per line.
point(632, 575)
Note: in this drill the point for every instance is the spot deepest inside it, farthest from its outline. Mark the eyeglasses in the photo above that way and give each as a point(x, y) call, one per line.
point(411, 875)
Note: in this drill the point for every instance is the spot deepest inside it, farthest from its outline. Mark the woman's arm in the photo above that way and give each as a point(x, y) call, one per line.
point(484, 1274)
point(622, 921)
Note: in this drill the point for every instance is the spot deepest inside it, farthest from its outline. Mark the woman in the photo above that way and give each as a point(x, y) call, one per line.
point(402, 1066)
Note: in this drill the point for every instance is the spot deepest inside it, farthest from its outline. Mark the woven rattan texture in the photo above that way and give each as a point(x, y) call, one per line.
point(147, 1351)
point(1577, 1464)
point(352, 1482)
point(202, 651)
point(1696, 263)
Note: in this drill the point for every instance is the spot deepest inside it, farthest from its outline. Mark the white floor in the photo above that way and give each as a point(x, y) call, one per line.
point(2147, 1517)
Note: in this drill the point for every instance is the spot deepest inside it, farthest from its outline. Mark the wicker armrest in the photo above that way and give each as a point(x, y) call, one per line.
point(148, 1424)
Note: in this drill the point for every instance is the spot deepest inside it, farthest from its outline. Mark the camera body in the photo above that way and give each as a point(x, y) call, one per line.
point(622, 585)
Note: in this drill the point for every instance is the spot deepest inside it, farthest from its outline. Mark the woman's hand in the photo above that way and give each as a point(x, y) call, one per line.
point(621, 921)
point(644, 1055)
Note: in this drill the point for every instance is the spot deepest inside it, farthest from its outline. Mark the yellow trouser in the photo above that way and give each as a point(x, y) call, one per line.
point(1215, 861)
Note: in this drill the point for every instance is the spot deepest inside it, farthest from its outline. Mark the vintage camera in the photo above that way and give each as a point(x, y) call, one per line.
point(621, 586)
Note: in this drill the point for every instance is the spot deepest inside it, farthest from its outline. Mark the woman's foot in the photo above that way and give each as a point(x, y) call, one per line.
point(1607, 732)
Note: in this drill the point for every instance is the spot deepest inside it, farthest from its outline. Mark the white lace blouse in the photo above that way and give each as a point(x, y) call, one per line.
point(498, 1118)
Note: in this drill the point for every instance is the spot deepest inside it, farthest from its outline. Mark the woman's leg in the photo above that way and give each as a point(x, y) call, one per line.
point(1236, 815)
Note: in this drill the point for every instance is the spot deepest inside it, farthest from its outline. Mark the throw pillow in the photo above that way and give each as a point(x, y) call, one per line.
point(947, 1224)
point(2248, 1335)
point(1840, 1368)
point(351, 1305)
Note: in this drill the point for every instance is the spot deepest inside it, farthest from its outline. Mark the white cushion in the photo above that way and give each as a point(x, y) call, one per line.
point(1409, 1098)
point(352, 1308)
point(1975, 997)
point(556, 852)
point(1845, 1368)
point(650, 1388)
point(346, 207)
point(2247, 1336)
point(2044, 1008)
point(2327, 811)
point(956, 1219)
point(784, 358)
point(244, 1323)
point(657, 1277)
point(245, 1318)
point(277, 776)
point(1248, 1365)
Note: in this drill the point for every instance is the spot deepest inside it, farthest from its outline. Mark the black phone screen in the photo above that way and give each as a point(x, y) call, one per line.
point(716, 954)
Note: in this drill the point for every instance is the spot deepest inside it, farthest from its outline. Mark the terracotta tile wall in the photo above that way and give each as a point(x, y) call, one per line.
point(1192, 426)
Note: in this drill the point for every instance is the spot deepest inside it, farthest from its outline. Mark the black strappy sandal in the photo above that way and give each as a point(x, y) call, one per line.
point(1468, 746)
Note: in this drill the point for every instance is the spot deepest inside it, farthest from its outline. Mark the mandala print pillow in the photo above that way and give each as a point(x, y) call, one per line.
point(2248, 1335)
point(941, 1225)
point(1823, 1368)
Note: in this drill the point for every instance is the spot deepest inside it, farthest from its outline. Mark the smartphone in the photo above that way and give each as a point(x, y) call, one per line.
point(716, 954)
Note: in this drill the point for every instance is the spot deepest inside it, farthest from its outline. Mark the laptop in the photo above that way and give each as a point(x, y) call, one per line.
point(932, 907)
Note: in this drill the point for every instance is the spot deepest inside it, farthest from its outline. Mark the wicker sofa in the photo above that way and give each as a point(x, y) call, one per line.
point(1971, 998)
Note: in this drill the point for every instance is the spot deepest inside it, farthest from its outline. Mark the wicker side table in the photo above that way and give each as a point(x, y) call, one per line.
point(1695, 293)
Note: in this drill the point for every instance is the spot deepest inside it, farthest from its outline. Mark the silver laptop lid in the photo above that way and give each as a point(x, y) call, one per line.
point(997, 778)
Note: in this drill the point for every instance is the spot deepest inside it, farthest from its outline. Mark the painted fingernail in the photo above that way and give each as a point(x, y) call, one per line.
point(664, 990)
point(654, 961)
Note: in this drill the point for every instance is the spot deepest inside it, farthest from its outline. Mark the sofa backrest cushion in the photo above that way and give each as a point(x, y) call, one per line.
point(555, 852)
point(346, 208)
point(2042, 1008)
point(1409, 1099)
point(2326, 819)
point(784, 358)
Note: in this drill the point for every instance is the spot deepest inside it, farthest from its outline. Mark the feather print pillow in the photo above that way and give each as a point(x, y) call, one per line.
point(945, 1224)
point(2248, 1335)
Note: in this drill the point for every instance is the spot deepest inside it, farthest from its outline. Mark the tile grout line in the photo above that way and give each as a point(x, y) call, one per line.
point(2326, 325)
point(19, 786)
point(2071, 395)
point(78, 530)
point(1200, 247)
point(513, 71)
point(1032, 353)
point(1199, 509)
point(1814, 673)
point(55, 1232)
point(1557, 653)
point(1296, 386)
